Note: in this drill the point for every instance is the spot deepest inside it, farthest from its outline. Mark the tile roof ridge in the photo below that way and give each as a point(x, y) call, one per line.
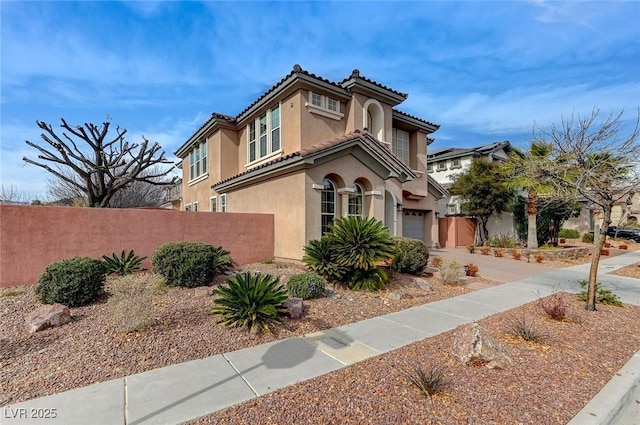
point(415, 118)
point(356, 75)
point(297, 69)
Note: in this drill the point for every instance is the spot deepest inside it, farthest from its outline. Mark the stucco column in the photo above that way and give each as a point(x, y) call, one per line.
point(344, 200)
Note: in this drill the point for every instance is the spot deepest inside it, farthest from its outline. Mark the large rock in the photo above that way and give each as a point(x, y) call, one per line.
point(48, 316)
point(295, 307)
point(474, 345)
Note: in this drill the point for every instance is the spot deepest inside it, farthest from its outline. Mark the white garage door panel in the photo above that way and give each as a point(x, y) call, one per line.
point(413, 225)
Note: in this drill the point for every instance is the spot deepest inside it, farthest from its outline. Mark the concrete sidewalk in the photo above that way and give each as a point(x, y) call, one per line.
point(178, 393)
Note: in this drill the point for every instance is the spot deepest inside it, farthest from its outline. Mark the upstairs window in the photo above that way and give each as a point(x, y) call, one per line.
point(263, 135)
point(198, 161)
point(400, 145)
point(213, 206)
point(442, 165)
point(429, 167)
point(324, 105)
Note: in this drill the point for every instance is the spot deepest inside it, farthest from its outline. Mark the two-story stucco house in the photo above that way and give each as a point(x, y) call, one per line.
point(443, 164)
point(310, 150)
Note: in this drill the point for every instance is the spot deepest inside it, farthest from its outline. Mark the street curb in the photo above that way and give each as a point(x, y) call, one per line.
point(620, 392)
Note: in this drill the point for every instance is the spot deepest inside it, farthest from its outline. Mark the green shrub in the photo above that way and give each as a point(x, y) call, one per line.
point(587, 238)
point(73, 282)
point(306, 286)
point(568, 233)
point(250, 300)
point(503, 241)
point(123, 265)
point(189, 264)
point(603, 296)
point(411, 255)
point(131, 304)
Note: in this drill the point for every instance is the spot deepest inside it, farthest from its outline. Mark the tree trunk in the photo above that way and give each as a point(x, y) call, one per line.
point(598, 241)
point(532, 229)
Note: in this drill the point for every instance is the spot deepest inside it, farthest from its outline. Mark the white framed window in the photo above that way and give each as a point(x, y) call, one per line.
point(455, 163)
point(223, 203)
point(194, 206)
point(198, 161)
point(452, 209)
point(324, 105)
point(263, 135)
point(213, 204)
point(187, 207)
point(400, 144)
point(429, 167)
point(327, 205)
point(442, 165)
point(356, 201)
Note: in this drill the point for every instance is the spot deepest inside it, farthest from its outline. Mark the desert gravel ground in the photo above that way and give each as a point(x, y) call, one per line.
point(549, 383)
point(91, 348)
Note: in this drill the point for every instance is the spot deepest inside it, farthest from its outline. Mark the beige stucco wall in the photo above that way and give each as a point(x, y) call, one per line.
point(344, 172)
point(284, 197)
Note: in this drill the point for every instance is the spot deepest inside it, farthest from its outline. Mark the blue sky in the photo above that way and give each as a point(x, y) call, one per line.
point(485, 71)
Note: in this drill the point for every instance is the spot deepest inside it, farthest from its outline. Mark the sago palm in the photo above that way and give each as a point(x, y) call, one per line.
point(360, 243)
point(251, 301)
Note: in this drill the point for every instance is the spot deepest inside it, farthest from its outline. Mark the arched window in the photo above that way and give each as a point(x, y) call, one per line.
point(373, 118)
point(327, 204)
point(356, 200)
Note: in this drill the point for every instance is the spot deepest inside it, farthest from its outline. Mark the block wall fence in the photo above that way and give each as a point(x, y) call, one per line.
point(31, 237)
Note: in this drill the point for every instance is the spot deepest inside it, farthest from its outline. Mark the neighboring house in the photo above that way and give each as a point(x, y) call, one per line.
point(172, 196)
point(310, 150)
point(625, 213)
point(443, 164)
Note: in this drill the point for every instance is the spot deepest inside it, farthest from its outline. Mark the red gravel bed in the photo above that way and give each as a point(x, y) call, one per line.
point(549, 384)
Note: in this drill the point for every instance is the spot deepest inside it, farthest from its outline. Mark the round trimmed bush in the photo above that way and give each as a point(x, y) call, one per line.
point(587, 238)
point(73, 282)
point(188, 264)
point(568, 233)
point(306, 286)
point(411, 256)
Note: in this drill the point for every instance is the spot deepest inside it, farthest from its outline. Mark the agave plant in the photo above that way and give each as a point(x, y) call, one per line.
point(250, 300)
point(123, 265)
point(368, 280)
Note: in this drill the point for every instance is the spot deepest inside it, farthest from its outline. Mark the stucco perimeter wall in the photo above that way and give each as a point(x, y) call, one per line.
point(33, 237)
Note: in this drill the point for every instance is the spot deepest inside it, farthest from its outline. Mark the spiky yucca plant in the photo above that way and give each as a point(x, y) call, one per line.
point(360, 243)
point(250, 300)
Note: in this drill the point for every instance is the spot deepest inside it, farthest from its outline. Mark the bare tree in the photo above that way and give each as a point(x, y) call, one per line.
point(136, 194)
point(96, 166)
point(11, 195)
point(597, 161)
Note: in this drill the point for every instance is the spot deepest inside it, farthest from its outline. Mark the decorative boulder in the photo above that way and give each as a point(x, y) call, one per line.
point(203, 291)
point(48, 316)
point(474, 345)
point(295, 307)
point(422, 284)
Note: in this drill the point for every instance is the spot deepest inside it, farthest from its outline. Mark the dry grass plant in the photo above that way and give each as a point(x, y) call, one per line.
point(430, 379)
point(516, 254)
point(450, 271)
point(539, 257)
point(485, 250)
point(131, 304)
point(526, 329)
point(436, 262)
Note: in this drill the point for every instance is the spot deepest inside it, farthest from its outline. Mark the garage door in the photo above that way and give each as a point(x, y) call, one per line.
point(413, 225)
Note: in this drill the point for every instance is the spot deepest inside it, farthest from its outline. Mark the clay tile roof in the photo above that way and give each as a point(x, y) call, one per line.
point(214, 116)
point(333, 142)
point(297, 69)
point(416, 118)
point(266, 164)
point(356, 74)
